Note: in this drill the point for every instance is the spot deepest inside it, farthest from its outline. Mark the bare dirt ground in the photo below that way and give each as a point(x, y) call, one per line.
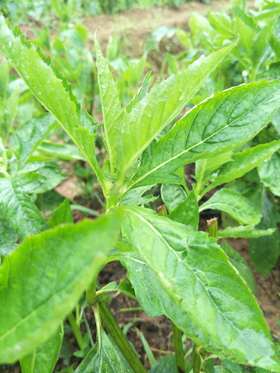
point(136, 24)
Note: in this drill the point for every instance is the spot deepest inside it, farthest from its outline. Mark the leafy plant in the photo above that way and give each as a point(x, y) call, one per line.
point(189, 276)
point(255, 57)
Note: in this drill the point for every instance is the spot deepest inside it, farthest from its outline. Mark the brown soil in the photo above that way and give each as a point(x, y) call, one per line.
point(157, 330)
point(136, 24)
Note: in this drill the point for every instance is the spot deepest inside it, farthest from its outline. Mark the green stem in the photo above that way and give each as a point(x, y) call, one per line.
point(116, 334)
point(96, 312)
point(178, 347)
point(91, 293)
point(85, 210)
point(196, 360)
point(212, 227)
point(76, 331)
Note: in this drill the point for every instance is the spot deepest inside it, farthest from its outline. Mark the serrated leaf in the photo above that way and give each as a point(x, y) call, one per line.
point(242, 163)
point(229, 119)
point(43, 279)
point(230, 201)
point(195, 286)
point(160, 107)
point(269, 173)
point(50, 92)
point(44, 359)
point(110, 102)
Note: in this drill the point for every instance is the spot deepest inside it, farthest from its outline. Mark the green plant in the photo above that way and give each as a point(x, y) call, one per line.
point(191, 277)
point(255, 57)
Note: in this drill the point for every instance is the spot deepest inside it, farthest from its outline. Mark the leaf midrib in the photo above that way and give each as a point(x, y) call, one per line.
point(178, 155)
point(142, 218)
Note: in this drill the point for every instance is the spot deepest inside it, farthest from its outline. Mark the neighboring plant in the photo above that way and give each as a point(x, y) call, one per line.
point(128, 71)
point(70, 56)
point(65, 10)
point(256, 57)
point(193, 278)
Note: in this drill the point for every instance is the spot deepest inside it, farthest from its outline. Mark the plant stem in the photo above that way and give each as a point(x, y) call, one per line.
point(96, 312)
point(212, 229)
point(76, 331)
point(178, 347)
point(91, 293)
point(116, 334)
point(196, 360)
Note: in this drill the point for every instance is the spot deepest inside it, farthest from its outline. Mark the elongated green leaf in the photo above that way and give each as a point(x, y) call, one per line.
point(230, 118)
point(44, 359)
point(269, 173)
point(111, 106)
point(43, 279)
point(49, 90)
point(243, 162)
point(235, 205)
point(159, 107)
point(195, 285)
